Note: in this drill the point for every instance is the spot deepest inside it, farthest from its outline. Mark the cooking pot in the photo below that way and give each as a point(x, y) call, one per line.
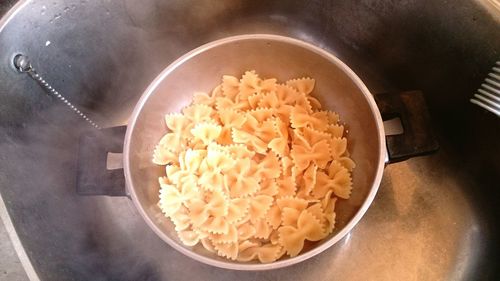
point(337, 87)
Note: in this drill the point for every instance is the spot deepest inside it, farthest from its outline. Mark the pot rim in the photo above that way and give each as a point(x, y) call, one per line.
point(280, 263)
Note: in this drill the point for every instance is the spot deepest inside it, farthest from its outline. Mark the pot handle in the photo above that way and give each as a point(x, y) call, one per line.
point(93, 176)
point(416, 137)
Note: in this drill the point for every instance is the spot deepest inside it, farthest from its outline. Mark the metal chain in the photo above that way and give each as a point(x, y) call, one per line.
point(23, 65)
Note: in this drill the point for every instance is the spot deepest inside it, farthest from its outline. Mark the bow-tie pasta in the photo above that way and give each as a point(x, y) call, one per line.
point(253, 170)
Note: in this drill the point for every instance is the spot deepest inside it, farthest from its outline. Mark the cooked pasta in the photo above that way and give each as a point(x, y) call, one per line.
point(253, 170)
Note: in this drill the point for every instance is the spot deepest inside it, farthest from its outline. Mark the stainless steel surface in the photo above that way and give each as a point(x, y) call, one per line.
point(433, 217)
point(488, 96)
point(337, 87)
point(23, 65)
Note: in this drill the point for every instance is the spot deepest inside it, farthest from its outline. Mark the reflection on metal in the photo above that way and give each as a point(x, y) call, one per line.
point(393, 127)
point(114, 161)
point(347, 239)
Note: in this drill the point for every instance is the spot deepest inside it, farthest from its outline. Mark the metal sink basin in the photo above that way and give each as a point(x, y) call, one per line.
point(434, 217)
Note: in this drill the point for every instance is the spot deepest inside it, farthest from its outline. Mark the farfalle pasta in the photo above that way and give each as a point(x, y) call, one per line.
point(253, 170)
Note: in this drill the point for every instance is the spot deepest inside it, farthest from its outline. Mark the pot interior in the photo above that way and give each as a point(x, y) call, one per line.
point(269, 56)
